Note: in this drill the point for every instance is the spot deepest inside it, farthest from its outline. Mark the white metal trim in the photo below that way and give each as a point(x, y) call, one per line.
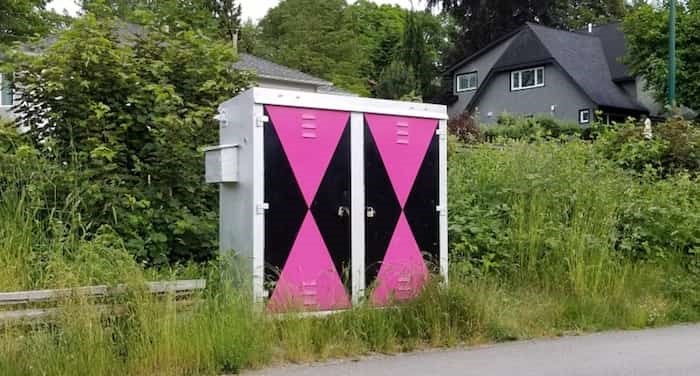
point(357, 205)
point(346, 103)
point(258, 197)
point(443, 199)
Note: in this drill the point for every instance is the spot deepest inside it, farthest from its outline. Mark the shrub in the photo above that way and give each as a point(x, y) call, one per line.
point(465, 128)
point(529, 128)
point(674, 147)
point(127, 114)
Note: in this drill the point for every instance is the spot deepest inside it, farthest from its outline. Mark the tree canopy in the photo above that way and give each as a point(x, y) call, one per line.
point(481, 22)
point(646, 28)
point(128, 112)
point(351, 45)
point(21, 19)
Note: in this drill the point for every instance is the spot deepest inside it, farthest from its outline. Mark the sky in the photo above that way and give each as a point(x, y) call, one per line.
point(254, 9)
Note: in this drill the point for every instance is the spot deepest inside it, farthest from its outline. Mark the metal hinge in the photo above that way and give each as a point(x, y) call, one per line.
point(441, 209)
point(261, 120)
point(441, 132)
point(260, 208)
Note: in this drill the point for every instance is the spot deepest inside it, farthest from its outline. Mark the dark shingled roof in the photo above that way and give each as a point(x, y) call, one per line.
point(583, 58)
point(267, 69)
point(526, 48)
point(615, 49)
point(591, 65)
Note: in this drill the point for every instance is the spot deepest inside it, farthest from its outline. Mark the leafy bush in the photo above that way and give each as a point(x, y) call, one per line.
point(661, 221)
point(465, 128)
point(126, 114)
point(674, 147)
point(520, 128)
point(562, 213)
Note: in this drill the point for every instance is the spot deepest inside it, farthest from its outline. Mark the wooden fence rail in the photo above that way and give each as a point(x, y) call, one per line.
point(23, 298)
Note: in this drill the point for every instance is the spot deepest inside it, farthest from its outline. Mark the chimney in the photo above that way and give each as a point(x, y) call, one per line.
point(590, 28)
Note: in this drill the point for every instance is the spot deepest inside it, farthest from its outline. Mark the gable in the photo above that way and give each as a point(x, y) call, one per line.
point(583, 59)
point(580, 56)
point(525, 49)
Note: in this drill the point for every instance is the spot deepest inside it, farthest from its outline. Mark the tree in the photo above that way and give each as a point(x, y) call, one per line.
point(228, 17)
point(195, 14)
point(576, 14)
point(396, 81)
point(248, 37)
point(481, 22)
point(21, 19)
point(316, 37)
point(130, 112)
point(423, 42)
point(380, 30)
point(646, 30)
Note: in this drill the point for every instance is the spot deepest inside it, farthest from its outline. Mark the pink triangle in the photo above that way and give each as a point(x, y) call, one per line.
point(309, 280)
point(309, 138)
point(402, 143)
point(403, 272)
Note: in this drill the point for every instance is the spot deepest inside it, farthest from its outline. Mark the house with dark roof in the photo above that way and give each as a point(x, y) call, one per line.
point(538, 70)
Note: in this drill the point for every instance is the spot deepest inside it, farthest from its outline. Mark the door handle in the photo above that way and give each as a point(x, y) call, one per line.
point(343, 211)
point(370, 212)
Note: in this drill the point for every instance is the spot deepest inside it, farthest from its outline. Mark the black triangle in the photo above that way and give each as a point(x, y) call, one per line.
point(380, 196)
point(287, 208)
point(334, 193)
point(421, 206)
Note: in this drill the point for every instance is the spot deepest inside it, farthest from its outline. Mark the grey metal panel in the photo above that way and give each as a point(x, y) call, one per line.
point(236, 204)
point(559, 91)
point(482, 65)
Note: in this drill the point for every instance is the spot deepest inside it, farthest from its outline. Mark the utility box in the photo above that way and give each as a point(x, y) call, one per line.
point(333, 199)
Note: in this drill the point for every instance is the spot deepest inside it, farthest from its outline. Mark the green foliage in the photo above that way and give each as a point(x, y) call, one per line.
point(380, 30)
point(248, 37)
point(424, 39)
point(316, 37)
point(519, 128)
point(662, 221)
point(577, 14)
point(478, 23)
point(351, 45)
point(674, 148)
point(546, 237)
point(465, 128)
point(646, 29)
point(23, 19)
point(128, 114)
point(396, 81)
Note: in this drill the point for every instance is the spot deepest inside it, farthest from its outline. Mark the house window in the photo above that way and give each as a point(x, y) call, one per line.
point(467, 81)
point(584, 116)
point(527, 78)
point(6, 94)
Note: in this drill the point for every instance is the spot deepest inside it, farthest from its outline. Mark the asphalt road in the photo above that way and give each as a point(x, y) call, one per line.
point(670, 351)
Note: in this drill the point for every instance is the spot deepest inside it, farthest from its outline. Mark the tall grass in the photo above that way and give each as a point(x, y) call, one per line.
point(545, 240)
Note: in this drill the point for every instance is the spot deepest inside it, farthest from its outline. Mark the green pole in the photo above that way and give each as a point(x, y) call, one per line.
point(672, 54)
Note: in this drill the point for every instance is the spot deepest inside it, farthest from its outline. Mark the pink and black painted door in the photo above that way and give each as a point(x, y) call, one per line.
point(402, 189)
point(307, 224)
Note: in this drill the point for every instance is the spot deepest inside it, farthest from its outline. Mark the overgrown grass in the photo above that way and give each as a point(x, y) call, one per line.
point(547, 238)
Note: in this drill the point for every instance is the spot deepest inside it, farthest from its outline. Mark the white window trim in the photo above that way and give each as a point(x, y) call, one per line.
point(520, 76)
point(461, 90)
point(2, 77)
point(580, 116)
